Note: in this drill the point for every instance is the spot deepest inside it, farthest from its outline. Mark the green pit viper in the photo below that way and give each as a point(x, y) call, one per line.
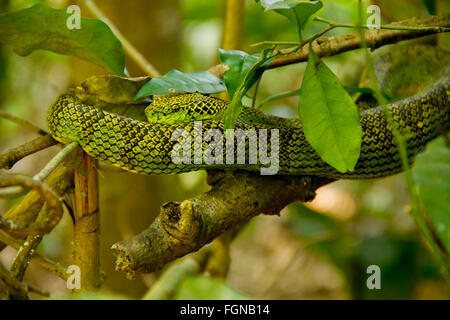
point(145, 147)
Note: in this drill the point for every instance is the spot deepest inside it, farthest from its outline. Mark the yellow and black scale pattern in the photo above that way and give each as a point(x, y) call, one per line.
point(146, 148)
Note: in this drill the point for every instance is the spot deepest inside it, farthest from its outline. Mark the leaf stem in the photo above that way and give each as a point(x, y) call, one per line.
point(299, 26)
point(256, 91)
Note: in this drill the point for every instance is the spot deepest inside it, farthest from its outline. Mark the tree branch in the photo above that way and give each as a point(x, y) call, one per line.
point(181, 228)
point(86, 230)
point(19, 289)
point(60, 180)
point(44, 262)
point(8, 159)
point(329, 46)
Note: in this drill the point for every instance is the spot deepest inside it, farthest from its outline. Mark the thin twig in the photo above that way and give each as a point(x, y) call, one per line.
point(44, 262)
point(24, 254)
point(53, 201)
point(48, 218)
point(12, 192)
point(18, 288)
point(60, 180)
point(15, 191)
point(55, 161)
point(129, 48)
point(10, 225)
point(23, 123)
point(9, 158)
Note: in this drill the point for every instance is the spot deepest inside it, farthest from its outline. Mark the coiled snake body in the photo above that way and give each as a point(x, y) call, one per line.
point(143, 147)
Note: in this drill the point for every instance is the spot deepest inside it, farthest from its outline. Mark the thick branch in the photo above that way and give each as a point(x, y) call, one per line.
point(185, 227)
point(86, 230)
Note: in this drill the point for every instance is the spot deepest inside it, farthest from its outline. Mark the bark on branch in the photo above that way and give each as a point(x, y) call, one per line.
point(184, 227)
point(8, 159)
point(330, 46)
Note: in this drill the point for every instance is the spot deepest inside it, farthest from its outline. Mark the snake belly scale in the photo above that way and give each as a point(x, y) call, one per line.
point(146, 148)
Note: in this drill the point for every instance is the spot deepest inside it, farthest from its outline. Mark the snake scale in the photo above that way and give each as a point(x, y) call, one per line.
point(145, 148)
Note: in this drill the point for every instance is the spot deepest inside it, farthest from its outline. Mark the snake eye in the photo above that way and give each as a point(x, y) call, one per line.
point(175, 107)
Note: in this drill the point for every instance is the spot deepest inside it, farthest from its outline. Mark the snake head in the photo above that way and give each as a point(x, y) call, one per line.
point(184, 108)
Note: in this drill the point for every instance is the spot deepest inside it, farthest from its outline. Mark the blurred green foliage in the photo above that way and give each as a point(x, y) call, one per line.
point(206, 288)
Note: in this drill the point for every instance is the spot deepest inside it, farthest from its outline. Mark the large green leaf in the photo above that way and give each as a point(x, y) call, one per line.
point(244, 70)
point(329, 116)
point(41, 27)
point(432, 176)
point(207, 288)
point(296, 11)
point(239, 63)
point(177, 81)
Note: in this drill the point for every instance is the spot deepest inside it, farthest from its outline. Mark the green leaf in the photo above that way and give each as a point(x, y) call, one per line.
point(296, 11)
point(239, 63)
point(177, 81)
point(207, 288)
point(432, 175)
point(244, 70)
point(41, 27)
point(329, 116)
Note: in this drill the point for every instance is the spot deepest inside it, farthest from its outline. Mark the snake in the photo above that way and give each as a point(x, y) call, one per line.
point(147, 147)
